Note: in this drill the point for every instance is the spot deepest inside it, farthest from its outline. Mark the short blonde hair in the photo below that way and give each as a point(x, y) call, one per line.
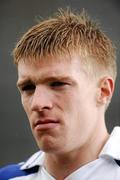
point(68, 32)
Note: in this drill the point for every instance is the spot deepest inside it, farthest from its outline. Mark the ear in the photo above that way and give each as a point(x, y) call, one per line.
point(106, 89)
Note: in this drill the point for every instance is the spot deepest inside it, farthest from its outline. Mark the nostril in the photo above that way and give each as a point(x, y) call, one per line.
point(40, 108)
point(38, 105)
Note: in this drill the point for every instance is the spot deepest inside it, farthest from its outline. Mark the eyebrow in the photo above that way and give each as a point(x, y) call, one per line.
point(42, 80)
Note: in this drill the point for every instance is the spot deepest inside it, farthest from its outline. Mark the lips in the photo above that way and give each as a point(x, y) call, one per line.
point(45, 124)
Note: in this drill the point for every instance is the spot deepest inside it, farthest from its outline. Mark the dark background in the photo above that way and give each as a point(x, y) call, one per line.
point(16, 16)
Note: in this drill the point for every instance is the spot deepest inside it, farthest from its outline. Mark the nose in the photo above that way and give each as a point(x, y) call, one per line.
point(41, 99)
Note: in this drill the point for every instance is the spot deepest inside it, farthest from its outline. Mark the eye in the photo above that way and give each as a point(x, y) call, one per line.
point(28, 87)
point(58, 84)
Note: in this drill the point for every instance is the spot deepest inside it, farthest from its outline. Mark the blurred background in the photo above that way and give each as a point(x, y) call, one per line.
point(16, 16)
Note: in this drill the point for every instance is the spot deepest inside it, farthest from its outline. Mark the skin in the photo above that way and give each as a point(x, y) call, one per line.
point(69, 107)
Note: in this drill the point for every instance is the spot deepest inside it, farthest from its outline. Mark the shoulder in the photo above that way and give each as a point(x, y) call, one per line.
point(14, 170)
point(21, 169)
point(11, 171)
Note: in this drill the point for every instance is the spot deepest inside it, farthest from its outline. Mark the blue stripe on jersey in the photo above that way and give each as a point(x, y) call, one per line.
point(12, 171)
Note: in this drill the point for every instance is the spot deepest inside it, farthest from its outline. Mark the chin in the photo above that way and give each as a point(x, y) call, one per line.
point(49, 149)
point(48, 145)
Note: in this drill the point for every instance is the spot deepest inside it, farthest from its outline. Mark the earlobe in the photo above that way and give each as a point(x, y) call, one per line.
point(106, 89)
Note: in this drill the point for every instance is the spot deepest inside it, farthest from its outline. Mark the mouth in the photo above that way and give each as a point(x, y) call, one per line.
point(46, 124)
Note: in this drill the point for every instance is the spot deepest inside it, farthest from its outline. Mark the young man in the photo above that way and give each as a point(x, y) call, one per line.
point(66, 76)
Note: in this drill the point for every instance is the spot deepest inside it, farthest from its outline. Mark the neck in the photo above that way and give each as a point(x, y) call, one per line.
point(62, 165)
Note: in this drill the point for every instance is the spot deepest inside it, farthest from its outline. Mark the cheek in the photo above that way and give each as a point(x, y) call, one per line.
point(79, 107)
point(26, 107)
point(25, 104)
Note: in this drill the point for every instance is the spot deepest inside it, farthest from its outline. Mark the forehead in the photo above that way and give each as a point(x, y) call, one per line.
point(53, 66)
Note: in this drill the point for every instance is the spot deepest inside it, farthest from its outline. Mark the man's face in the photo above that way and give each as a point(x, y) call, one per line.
point(60, 102)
